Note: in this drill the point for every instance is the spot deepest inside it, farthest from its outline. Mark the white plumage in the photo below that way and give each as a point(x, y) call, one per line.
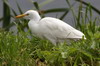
point(53, 29)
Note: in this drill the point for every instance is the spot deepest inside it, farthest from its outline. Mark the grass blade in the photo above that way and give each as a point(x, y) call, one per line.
point(6, 15)
point(63, 16)
point(20, 10)
point(1, 19)
point(85, 3)
point(36, 5)
point(45, 2)
point(15, 14)
point(73, 13)
point(78, 25)
point(54, 10)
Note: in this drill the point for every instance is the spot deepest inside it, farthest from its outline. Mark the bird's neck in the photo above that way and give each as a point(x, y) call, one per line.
point(35, 18)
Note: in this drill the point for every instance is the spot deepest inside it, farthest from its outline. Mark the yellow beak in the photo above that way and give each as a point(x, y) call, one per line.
point(22, 15)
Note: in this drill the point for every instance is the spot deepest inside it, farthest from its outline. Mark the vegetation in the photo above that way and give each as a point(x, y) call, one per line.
point(23, 49)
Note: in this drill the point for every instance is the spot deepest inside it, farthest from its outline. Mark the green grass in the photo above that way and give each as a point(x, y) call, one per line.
point(20, 50)
point(23, 49)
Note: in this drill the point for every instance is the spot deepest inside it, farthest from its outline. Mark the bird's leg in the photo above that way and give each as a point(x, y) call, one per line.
point(52, 40)
point(57, 43)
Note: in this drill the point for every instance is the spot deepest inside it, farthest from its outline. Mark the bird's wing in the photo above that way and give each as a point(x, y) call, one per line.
point(58, 29)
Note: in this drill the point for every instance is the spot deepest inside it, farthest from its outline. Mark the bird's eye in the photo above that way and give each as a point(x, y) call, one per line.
point(27, 14)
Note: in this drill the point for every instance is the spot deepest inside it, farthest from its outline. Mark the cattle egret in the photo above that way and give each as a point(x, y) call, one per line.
point(52, 29)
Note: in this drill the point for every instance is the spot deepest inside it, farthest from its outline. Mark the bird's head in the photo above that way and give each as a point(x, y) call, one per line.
point(30, 14)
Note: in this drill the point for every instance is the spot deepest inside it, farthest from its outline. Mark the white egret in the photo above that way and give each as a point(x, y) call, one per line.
point(53, 29)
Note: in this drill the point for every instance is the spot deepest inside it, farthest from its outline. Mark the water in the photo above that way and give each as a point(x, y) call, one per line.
point(27, 5)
